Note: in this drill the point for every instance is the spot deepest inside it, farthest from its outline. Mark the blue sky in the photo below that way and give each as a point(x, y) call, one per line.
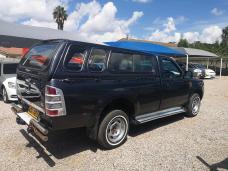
point(158, 20)
point(195, 12)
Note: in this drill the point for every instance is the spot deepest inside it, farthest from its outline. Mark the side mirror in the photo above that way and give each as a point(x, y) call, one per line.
point(188, 74)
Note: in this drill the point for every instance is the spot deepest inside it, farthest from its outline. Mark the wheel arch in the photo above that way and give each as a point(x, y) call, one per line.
point(119, 103)
point(125, 104)
point(198, 91)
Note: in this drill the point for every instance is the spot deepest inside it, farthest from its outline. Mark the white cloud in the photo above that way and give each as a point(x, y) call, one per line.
point(90, 20)
point(142, 1)
point(191, 37)
point(217, 12)
point(170, 25)
point(23, 9)
point(168, 33)
point(211, 34)
point(162, 36)
point(102, 23)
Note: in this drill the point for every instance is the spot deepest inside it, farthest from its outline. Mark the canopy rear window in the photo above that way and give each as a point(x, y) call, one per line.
point(40, 56)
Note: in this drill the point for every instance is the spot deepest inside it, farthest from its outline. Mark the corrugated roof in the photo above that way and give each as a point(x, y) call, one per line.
point(195, 52)
point(39, 33)
point(18, 35)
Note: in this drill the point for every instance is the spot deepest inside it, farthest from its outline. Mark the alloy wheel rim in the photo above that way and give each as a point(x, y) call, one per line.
point(196, 105)
point(116, 130)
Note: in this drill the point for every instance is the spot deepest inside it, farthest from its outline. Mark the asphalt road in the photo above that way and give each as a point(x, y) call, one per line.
point(174, 143)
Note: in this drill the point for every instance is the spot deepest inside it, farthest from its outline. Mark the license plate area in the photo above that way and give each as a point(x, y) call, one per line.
point(33, 112)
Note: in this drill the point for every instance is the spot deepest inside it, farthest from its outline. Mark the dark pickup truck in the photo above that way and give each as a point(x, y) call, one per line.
point(64, 84)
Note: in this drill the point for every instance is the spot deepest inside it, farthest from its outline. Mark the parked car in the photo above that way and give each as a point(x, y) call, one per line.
point(64, 84)
point(198, 70)
point(8, 80)
point(206, 72)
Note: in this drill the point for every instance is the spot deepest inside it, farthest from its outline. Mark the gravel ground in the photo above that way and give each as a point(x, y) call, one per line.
point(173, 143)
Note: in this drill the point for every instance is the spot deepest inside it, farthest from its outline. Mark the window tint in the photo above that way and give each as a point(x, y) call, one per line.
point(121, 62)
point(144, 63)
point(39, 56)
point(169, 69)
point(97, 60)
point(9, 68)
point(75, 58)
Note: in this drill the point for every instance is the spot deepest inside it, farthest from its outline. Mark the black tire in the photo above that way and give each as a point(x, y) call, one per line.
point(5, 95)
point(193, 105)
point(116, 121)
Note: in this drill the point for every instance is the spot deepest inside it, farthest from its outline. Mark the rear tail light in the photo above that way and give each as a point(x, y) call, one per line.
point(54, 102)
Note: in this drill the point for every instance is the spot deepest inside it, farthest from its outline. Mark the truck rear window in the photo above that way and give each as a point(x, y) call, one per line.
point(40, 56)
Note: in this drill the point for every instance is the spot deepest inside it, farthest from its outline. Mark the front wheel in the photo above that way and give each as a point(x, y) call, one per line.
point(5, 95)
point(113, 129)
point(194, 105)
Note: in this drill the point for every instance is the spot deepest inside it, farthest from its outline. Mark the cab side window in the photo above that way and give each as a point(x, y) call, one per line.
point(97, 60)
point(0, 69)
point(144, 64)
point(121, 62)
point(75, 58)
point(169, 69)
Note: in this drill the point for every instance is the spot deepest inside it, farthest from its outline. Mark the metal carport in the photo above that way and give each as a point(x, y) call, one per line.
point(24, 36)
point(197, 53)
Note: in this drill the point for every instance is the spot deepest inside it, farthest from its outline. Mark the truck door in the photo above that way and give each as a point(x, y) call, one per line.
point(149, 83)
point(174, 87)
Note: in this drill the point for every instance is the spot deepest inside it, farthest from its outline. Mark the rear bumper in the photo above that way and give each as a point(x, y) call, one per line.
point(34, 126)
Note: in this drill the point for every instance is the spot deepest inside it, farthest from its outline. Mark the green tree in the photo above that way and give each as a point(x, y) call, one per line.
point(183, 43)
point(60, 15)
point(225, 35)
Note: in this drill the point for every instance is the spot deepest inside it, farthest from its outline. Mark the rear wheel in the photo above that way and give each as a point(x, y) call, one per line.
point(113, 129)
point(5, 95)
point(194, 105)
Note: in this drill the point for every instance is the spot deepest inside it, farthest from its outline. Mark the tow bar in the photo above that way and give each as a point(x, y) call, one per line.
point(34, 127)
